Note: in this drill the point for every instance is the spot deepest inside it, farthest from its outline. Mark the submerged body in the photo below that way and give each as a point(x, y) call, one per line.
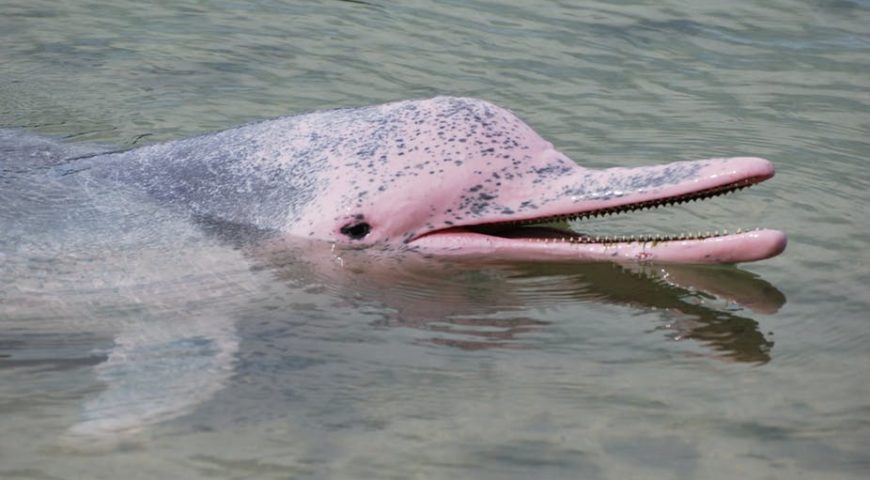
point(446, 176)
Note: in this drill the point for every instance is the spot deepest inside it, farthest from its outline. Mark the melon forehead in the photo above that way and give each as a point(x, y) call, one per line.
point(420, 164)
point(419, 144)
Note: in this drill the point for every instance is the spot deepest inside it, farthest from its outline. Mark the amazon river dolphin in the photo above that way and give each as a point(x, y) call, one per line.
point(95, 270)
point(444, 176)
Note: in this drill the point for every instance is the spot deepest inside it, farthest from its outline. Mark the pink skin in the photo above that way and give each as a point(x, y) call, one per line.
point(452, 164)
point(743, 247)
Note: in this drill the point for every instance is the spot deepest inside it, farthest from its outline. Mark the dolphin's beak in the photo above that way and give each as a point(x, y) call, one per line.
point(588, 193)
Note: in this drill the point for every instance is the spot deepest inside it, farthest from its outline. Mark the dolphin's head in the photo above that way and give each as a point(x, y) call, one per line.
point(464, 177)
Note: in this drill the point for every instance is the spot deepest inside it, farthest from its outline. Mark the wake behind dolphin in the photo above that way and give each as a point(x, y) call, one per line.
point(444, 176)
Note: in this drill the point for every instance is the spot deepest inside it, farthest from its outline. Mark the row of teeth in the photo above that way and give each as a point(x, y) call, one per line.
point(689, 197)
point(589, 239)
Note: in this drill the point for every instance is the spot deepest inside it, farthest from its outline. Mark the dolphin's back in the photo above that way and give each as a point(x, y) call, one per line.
point(290, 173)
point(262, 174)
point(258, 174)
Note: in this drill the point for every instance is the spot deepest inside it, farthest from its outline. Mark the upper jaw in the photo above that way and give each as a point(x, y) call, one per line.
point(589, 191)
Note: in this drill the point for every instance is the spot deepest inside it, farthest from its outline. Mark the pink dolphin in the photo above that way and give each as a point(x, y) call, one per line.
point(444, 176)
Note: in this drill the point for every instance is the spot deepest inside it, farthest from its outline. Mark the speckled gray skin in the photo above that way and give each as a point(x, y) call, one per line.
point(389, 174)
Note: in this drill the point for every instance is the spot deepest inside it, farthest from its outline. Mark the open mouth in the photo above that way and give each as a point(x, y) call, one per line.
point(536, 238)
point(537, 229)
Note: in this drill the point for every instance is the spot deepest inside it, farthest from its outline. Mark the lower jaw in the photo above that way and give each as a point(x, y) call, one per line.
point(734, 248)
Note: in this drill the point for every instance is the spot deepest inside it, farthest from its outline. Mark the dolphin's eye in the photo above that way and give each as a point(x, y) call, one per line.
point(356, 231)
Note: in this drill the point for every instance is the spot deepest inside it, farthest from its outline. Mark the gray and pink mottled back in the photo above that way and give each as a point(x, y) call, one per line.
point(373, 163)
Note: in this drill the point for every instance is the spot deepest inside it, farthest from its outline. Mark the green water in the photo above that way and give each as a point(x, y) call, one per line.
point(512, 371)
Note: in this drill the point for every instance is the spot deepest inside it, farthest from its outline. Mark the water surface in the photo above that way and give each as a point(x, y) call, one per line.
point(135, 342)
